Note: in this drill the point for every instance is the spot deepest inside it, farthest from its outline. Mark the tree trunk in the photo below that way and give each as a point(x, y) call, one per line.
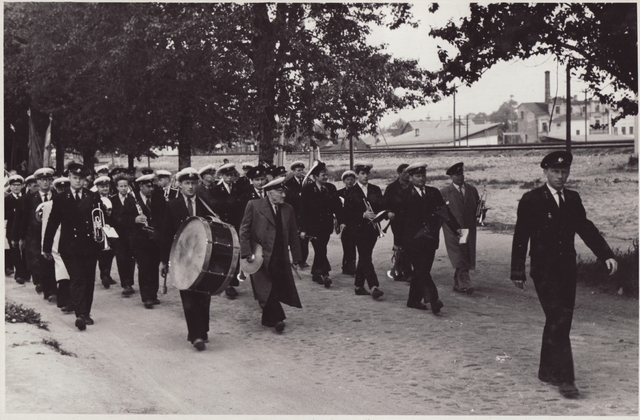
point(89, 158)
point(265, 70)
point(131, 161)
point(59, 157)
point(184, 143)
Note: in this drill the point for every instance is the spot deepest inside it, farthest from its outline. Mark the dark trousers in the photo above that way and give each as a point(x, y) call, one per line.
point(105, 261)
point(19, 261)
point(422, 285)
point(272, 310)
point(82, 273)
point(557, 296)
point(148, 260)
point(46, 273)
point(124, 260)
point(321, 266)
point(365, 241)
point(196, 312)
point(64, 293)
point(8, 260)
point(304, 248)
point(348, 251)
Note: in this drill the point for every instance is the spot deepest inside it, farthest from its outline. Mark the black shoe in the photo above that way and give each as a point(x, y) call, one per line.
point(361, 291)
point(38, 288)
point(81, 323)
point(466, 290)
point(20, 280)
point(156, 302)
point(105, 282)
point(88, 320)
point(376, 293)
point(68, 309)
point(269, 324)
point(327, 282)
point(279, 326)
point(569, 390)
point(52, 298)
point(303, 265)
point(8, 272)
point(317, 279)
point(436, 305)
point(199, 344)
point(128, 291)
point(112, 281)
point(417, 305)
point(470, 290)
point(148, 304)
point(231, 292)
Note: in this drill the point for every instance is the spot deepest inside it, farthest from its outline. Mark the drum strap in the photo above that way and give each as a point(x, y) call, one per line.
point(213, 213)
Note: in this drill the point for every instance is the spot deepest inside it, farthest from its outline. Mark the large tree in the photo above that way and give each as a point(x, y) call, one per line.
point(597, 40)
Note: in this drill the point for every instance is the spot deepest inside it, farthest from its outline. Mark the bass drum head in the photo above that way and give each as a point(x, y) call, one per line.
point(190, 249)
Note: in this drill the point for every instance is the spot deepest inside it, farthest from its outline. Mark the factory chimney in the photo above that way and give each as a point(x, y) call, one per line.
point(547, 86)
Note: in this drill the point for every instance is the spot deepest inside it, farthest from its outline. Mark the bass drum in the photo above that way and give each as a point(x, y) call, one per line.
point(204, 255)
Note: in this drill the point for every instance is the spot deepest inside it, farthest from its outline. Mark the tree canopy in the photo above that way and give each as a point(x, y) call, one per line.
point(128, 77)
point(597, 40)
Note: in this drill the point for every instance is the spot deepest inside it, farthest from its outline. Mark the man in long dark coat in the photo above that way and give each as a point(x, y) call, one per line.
point(294, 191)
point(270, 222)
point(11, 203)
point(462, 199)
point(549, 217)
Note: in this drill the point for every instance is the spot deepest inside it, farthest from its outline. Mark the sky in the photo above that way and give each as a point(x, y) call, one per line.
point(524, 79)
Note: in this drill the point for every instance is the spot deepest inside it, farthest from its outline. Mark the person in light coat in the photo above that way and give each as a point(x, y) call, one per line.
point(462, 199)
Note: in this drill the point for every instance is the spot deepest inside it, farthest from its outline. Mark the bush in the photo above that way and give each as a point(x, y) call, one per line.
point(17, 313)
point(624, 281)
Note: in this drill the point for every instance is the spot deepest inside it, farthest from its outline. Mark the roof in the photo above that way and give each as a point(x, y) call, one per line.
point(538, 108)
point(579, 138)
point(433, 132)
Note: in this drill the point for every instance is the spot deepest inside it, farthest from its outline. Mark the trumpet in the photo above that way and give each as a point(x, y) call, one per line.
point(481, 209)
point(97, 215)
point(376, 224)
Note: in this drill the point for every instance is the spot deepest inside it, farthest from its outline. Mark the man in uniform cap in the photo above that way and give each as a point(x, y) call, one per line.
point(226, 200)
point(28, 235)
point(105, 257)
point(102, 170)
point(31, 185)
point(122, 202)
point(145, 237)
point(14, 257)
point(294, 191)
point(420, 213)
point(188, 203)
point(146, 171)
point(244, 182)
point(462, 199)
point(319, 204)
point(258, 177)
point(72, 212)
point(207, 183)
point(549, 217)
point(401, 270)
point(362, 203)
point(271, 222)
point(61, 184)
point(164, 185)
point(348, 246)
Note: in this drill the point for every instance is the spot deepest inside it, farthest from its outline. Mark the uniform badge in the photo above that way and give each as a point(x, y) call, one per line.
point(550, 216)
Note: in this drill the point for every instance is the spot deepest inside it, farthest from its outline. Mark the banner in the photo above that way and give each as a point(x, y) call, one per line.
point(46, 160)
point(35, 147)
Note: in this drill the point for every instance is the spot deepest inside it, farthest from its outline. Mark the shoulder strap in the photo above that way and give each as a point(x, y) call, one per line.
point(208, 208)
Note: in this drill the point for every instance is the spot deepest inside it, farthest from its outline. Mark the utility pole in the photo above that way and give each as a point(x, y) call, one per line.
point(568, 108)
point(586, 116)
point(467, 130)
point(459, 128)
point(454, 115)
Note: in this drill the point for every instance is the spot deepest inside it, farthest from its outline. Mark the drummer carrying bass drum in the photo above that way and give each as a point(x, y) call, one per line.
point(195, 303)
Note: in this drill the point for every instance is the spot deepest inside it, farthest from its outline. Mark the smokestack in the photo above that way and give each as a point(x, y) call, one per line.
point(547, 86)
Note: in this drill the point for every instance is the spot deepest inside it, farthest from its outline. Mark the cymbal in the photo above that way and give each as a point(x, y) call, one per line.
point(252, 267)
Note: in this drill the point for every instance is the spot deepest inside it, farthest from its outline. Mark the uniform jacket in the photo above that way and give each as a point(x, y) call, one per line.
point(10, 209)
point(76, 224)
point(259, 226)
point(318, 207)
point(463, 209)
point(118, 220)
point(226, 205)
point(355, 207)
point(552, 233)
point(294, 191)
point(139, 237)
point(206, 193)
point(175, 213)
point(243, 184)
point(392, 198)
point(249, 194)
point(419, 219)
point(28, 228)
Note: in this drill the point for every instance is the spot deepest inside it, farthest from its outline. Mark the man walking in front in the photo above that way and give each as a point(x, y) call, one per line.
point(549, 217)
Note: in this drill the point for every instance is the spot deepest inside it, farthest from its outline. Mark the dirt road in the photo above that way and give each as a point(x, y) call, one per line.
point(340, 354)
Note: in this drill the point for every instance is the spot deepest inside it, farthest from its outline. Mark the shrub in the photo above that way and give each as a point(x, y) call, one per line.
point(17, 313)
point(624, 281)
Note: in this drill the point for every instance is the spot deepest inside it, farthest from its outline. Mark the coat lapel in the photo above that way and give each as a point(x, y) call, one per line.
point(265, 209)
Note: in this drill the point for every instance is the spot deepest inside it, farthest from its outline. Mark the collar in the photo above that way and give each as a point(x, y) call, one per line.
point(362, 185)
point(553, 190)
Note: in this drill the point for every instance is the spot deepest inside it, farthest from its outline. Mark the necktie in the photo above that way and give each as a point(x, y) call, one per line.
point(77, 196)
point(561, 200)
point(190, 207)
point(45, 198)
point(421, 191)
point(461, 191)
point(276, 210)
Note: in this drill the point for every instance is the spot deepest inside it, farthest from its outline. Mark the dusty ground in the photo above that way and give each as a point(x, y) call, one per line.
point(340, 355)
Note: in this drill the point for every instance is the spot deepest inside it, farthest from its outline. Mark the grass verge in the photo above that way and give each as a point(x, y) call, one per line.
point(54, 344)
point(624, 282)
point(17, 313)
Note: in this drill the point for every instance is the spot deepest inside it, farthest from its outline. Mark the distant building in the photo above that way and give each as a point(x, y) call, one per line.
point(440, 133)
point(547, 121)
